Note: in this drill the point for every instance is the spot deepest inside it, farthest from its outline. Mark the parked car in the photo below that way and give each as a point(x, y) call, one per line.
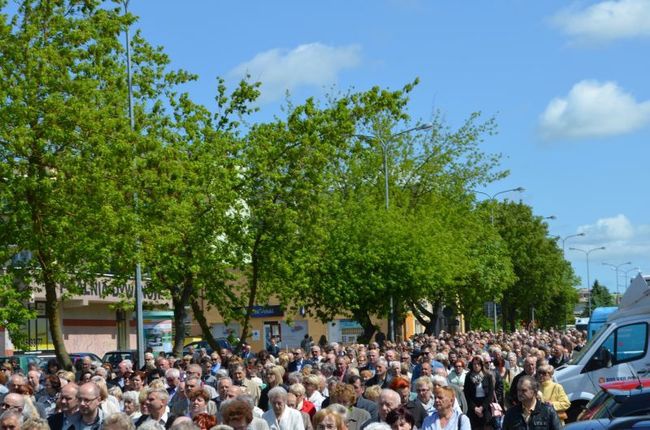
point(76, 358)
point(624, 423)
point(605, 393)
point(115, 357)
point(614, 403)
point(221, 341)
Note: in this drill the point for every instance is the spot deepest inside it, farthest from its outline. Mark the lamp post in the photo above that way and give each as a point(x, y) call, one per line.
point(492, 199)
point(616, 267)
point(139, 297)
point(565, 238)
point(625, 272)
point(588, 280)
point(385, 143)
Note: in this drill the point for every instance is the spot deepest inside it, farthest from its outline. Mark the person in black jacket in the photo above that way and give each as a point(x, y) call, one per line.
point(530, 413)
point(479, 392)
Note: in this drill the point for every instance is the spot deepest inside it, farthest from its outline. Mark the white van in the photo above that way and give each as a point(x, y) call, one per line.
point(618, 350)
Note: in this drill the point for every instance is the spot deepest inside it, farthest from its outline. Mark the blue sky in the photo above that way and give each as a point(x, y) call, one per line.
point(566, 81)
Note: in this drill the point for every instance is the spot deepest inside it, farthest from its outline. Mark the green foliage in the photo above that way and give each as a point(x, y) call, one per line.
point(600, 297)
point(543, 277)
point(14, 313)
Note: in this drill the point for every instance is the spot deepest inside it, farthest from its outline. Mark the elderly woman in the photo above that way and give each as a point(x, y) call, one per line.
point(198, 402)
point(552, 392)
point(132, 404)
point(457, 375)
point(328, 419)
point(109, 404)
point(137, 380)
point(344, 394)
point(312, 384)
point(279, 416)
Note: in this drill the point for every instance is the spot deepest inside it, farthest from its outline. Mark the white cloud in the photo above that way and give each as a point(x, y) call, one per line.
point(593, 109)
point(616, 228)
point(313, 64)
point(606, 20)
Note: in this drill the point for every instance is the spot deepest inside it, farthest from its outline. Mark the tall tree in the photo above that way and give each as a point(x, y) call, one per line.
point(600, 297)
point(542, 273)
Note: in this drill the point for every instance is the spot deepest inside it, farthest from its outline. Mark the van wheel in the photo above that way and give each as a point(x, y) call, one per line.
point(575, 409)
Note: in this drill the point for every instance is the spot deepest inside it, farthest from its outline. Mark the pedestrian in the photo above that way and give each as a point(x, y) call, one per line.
point(479, 392)
point(530, 413)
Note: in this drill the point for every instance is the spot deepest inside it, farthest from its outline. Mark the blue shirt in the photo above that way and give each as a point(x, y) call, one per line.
point(432, 422)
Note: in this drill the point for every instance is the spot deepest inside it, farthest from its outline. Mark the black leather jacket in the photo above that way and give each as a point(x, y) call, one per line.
point(543, 417)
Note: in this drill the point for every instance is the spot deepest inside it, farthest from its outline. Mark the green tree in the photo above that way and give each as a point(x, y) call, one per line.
point(600, 297)
point(543, 276)
point(188, 203)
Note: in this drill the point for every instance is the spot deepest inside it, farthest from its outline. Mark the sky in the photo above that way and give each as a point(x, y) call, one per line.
point(567, 82)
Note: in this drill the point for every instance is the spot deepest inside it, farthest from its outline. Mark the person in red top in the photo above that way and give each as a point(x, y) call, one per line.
point(304, 405)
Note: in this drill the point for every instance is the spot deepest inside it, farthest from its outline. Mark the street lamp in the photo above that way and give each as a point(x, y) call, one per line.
point(616, 267)
point(492, 198)
point(588, 280)
point(627, 282)
point(564, 239)
point(385, 146)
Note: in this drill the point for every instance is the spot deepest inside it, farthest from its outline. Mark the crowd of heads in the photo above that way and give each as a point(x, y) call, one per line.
point(326, 386)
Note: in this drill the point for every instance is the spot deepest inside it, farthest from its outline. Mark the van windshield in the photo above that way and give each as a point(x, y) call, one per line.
point(595, 339)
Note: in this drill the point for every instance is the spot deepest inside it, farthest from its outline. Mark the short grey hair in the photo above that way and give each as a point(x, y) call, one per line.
point(172, 373)
point(133, 396)
point(276, 393)
point(439, 380)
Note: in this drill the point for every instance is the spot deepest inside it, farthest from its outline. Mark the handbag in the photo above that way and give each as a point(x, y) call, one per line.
point(495, 408)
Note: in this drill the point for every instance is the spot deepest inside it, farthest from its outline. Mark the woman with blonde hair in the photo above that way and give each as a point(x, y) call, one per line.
point(552, 392)
point(109, 404)
point(327, 419)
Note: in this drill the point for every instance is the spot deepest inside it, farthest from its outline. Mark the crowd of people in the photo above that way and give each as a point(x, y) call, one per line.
point(477, 380)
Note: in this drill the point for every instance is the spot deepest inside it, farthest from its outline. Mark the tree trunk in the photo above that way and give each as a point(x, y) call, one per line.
point(53, 310)
point(199, 316)
point(368, 327)
point(420, 312)
point(180, 300)
point(252, 295)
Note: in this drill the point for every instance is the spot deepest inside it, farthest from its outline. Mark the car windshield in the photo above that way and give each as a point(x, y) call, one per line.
point(596, 338)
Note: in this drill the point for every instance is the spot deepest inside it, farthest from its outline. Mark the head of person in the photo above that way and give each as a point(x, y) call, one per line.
point(343, 394)
point(238, 374)
point(13, 402)
point(311, 383)
point(118, 421)
point(388, 401)
point(327, 419)
point(403, 387)
point(223, 386)
point(137, 380)
point(444, 399)
point(341, 364)
point(530, 365)
point(273, 376)
point(476, 364)
point(199, 402)
point(34, 379)
point(381, 366)
point(400, 419)
point(373, 356)
point(52, 385)
point(192, 384)
point(424, 389)
point(89, 398)
point(425, 369)
point(173, 378)
point(459, 366)
point(125, 368)
point(131, 400)
point(238, 414)
point(194, 370)
point(204, 421)
point(545, 373)
point(527, 389)
point(278, 400)
point(11, 420)
point(156, 402)
point(68, 399)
